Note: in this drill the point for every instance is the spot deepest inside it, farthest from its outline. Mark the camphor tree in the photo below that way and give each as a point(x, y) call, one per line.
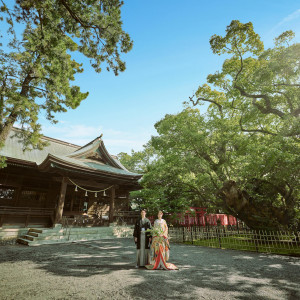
point(242, 155)
point(141, 162)
point(36, 65)
point(259, 90)
point(138, 161)
point(167, 180)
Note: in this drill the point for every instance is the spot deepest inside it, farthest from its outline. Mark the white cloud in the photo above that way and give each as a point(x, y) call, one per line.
point(133, 144)
point(293, 16)
point(72, 131)
point(116, 141)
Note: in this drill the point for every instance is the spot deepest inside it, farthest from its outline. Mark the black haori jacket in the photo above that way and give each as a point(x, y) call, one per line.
point(137, 232)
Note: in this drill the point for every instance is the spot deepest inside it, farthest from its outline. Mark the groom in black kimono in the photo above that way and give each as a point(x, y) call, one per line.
point(142, 240)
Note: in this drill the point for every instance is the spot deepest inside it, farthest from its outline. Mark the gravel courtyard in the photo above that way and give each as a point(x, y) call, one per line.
point(104, 269)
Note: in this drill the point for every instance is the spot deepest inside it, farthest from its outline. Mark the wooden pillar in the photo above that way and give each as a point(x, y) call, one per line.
point(127, 201)
point(50, 195)
point(72, 201)
point(61, 201)
point(112, 204)
point(18, 196)
point(18, 192)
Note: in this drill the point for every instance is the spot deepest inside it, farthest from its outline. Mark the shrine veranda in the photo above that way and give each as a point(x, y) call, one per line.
point(44, 188)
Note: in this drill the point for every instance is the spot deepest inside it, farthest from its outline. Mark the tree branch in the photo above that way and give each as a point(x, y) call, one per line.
point(265, 110)
point(255, 130)
point(287, 84)
point(207, 100)
point(213, 181)
point(35, 87)
point(82, 23)
point(242, 64)
point(296, 112)
point(288, 100)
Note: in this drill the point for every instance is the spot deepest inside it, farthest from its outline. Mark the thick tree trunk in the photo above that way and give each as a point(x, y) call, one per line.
point(257, 215)
point(11, 119)
point(4, 131)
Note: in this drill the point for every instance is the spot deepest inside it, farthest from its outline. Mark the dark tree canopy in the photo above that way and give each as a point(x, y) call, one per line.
point(37, 66)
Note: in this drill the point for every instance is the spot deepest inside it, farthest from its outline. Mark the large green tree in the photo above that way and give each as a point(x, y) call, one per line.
point(259, 90)
point(207, 161)
point(138, 161)
point(141, 162)
point(37, 64)
point(165, 184)
point(242, 155)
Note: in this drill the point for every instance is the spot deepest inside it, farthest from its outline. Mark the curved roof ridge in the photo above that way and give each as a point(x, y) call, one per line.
point(52, 139)
point(98, 139)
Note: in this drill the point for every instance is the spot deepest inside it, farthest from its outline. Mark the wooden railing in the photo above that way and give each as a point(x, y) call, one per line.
point(83, 221)
point(126, 217)
point(80, 220)
point(25, 211)
point(127, 214)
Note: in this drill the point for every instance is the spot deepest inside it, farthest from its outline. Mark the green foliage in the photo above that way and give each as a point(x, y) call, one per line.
point(37, 68)
point(262, 87)
point(242, 155)
point(138, 161)
point(240, 38)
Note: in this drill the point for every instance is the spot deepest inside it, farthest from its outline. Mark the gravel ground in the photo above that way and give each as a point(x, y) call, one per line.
point(104, 269)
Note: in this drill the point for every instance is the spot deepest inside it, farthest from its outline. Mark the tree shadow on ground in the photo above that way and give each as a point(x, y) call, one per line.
point(80, 259)
point(242, 275)
point(203, 272)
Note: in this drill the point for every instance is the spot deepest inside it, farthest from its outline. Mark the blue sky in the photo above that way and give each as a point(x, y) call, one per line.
point(171, 57)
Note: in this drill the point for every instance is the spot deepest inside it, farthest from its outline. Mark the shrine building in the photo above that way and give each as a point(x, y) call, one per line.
point(42, 187)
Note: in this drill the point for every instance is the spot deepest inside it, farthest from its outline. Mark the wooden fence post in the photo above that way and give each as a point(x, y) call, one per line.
point(218, 235)
point(255, 241)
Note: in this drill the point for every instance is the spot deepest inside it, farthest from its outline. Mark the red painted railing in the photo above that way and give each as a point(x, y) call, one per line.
point(197, 216)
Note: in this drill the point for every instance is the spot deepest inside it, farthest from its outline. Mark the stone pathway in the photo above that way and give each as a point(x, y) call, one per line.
point(104, 269)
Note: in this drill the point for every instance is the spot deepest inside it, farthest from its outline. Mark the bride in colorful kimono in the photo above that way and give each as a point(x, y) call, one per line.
point(160, 247)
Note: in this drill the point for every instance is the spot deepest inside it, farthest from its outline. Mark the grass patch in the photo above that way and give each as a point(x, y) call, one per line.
point(246, 244)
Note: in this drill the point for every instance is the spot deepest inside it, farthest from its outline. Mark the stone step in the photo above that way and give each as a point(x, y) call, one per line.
point(28, 237)
point(71, 237)
point(23, 241)
point(66, 239)
point(80, 231)
point(83, 232)
point(44, 234)
point(51, 238)
point(34, 234)
point(48, 242)
point(45, 230)
point(35, 230)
